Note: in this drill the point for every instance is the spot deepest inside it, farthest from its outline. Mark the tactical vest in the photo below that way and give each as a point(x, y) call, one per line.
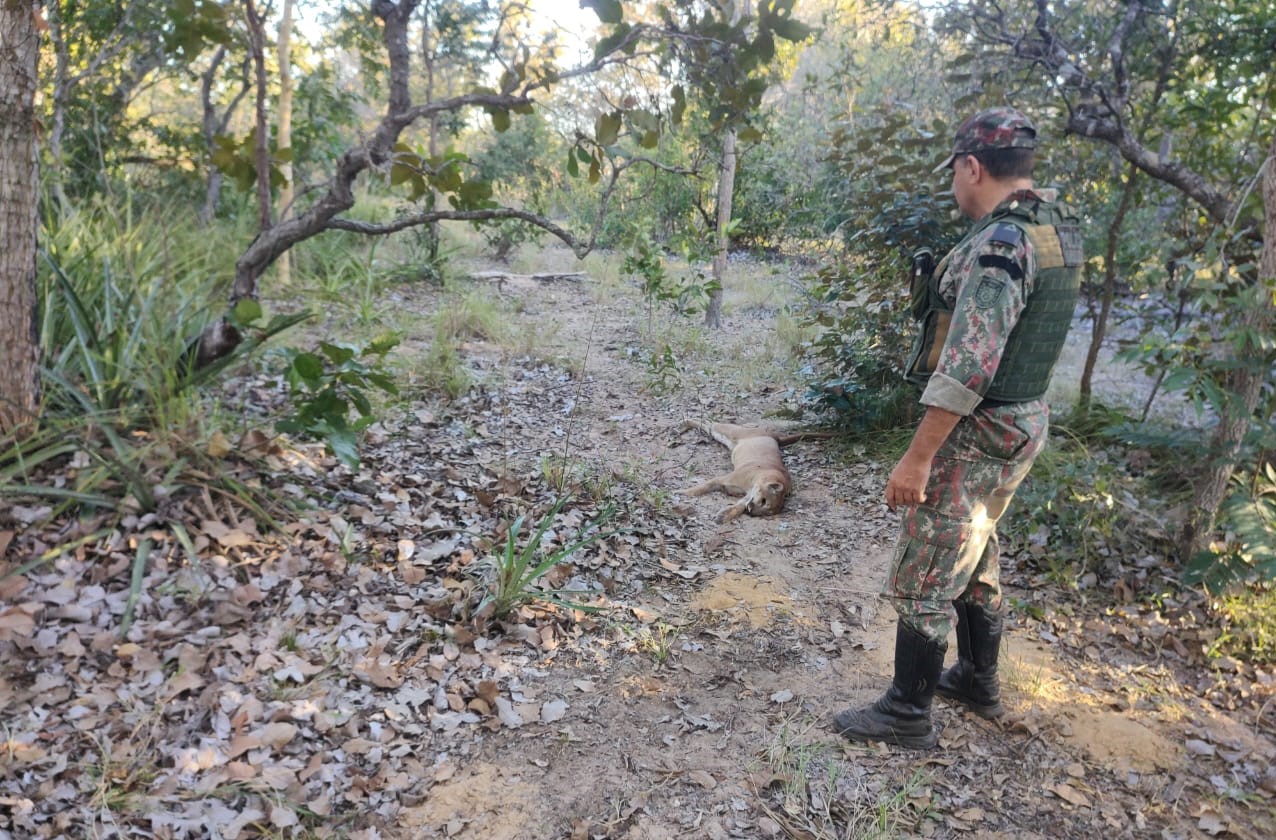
point(1037, 338)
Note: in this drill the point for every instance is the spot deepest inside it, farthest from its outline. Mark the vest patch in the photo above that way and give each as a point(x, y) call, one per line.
point(1070, 244)
point(987, 292)
point(1048, 248)
point(1007, 234)
point(1006, 264)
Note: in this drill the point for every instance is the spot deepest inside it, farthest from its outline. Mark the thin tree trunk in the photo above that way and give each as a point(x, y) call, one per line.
point(57, 118)
point(1109, 287)
point(19, 197)
point(257, 40)
point(1245, 383)
point(726, 189)
point(213, 125)
point(213, 187)
point(428, 61)
point(285, 130)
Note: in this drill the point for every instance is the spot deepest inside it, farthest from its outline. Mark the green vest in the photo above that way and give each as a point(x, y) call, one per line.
point(1037, 339)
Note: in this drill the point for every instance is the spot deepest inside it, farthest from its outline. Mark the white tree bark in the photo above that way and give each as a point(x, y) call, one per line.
point(722, 242)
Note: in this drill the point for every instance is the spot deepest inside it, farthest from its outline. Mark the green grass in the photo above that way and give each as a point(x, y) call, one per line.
point(1247, 618)
point(515, 570)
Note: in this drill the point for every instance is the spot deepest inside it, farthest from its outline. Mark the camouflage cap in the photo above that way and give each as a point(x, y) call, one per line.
point(992, 128)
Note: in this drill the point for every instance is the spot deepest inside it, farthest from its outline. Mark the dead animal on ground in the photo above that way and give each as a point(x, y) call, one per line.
point(759, 476)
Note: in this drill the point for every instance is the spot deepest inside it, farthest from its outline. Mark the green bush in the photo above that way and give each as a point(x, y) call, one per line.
point(1247, 619)
point(857, 371)
point(515, 572)
point(124, 429)
point(324, 386)
point(1247, 551)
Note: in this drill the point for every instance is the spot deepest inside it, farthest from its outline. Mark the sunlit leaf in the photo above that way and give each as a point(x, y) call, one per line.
point(608, 11)
point(607, 128)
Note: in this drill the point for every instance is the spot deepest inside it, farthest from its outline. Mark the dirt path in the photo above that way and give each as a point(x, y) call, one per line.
point(702, 712)
point(331, 680)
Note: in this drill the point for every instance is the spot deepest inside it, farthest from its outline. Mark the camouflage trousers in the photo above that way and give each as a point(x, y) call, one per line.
point(947, 548)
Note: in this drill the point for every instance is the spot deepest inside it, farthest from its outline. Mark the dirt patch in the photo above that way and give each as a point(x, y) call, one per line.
point(753, 600)
point(492, 802)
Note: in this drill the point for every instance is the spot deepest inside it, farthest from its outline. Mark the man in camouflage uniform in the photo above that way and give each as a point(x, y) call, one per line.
point(993, 316)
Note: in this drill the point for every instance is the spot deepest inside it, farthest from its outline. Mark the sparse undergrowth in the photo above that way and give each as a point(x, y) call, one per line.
point(353, 628)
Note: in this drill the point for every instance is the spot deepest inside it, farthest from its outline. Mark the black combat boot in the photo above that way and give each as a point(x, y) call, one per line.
point(901, 716)
point(973, 680)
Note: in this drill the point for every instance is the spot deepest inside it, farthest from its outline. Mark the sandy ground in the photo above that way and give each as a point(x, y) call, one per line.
point(706, 714)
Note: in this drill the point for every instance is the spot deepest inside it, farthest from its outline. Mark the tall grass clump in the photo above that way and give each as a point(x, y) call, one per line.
point(516, 570)
point(122, 292)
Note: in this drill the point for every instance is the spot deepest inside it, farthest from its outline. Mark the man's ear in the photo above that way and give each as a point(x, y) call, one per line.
point(977, 170)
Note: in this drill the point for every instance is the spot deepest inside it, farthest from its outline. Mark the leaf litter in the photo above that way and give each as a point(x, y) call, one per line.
point(329, 678)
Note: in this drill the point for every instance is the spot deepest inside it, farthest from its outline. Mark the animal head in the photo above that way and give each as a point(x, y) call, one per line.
point(766, 499)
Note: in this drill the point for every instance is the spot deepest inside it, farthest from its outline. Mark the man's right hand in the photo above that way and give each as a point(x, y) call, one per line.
point(907, 484)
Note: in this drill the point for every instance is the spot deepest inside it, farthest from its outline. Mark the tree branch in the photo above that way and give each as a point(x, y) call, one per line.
point(1189, 182)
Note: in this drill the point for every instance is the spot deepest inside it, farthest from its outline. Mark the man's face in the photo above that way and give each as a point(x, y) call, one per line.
point(963, 183)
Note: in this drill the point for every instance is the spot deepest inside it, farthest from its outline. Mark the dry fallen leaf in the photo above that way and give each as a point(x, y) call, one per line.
point(1200, 748)
point(218, 445)
point(359, 746)
point(1069, 794)
point(379, 671)
point(18, 621)
point(1211, 821)
point(273, 735)
point(553, 711)
point(505, 711)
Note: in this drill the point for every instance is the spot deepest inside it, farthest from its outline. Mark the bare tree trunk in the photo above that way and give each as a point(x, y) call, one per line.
point(1109, 287)
point(257, 40)
point(377, 150)
point(1245, 383)
point(213, 125)
point(722, 242)
point(428, 61)
point(213, 187)
point(285, 130)
point(19, 197)
point(57, 120)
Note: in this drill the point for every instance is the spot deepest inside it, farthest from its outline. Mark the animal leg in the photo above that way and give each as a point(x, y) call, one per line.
point(729, 513)
point(710, 486)
point(700, 425)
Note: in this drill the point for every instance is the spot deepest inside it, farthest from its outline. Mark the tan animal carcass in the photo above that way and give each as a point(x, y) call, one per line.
point(759, 476)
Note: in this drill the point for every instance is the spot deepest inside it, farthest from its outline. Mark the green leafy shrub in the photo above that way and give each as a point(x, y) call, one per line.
point(1247, 553)
point(857, 374)
point(1247, 619)
point(1068, 514)
point(505, 236)
point(125, 429)
point(324, 386)
point(888, 209)
point(684, 294)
